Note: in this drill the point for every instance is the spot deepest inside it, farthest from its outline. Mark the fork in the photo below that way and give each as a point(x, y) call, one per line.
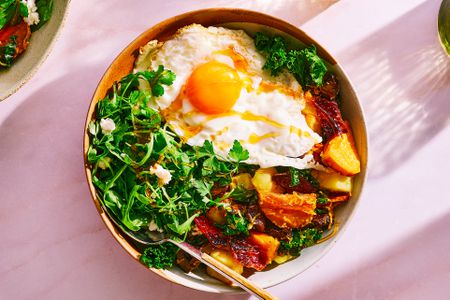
point(157, 238)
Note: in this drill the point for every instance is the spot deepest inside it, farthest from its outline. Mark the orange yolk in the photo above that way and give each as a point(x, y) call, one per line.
point(213, 87)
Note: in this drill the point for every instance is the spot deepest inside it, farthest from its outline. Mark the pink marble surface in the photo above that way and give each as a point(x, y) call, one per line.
point(397, 246)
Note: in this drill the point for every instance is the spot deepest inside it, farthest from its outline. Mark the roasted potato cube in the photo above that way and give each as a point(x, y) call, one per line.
point(228, 260)
point(288, 210)
point(267, 244)
point(281, 259)
point(262, 180)
point(217, 214)
point(333, 181)
point(244, 180)
point(340, 154)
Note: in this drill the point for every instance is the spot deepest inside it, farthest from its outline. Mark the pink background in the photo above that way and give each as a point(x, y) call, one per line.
point(397, 246)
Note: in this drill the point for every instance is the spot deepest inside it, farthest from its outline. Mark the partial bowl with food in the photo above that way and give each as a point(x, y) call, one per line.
point(231, 130)
point(28, 29)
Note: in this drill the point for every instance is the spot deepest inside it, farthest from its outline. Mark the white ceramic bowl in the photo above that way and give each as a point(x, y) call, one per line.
point(251, 22)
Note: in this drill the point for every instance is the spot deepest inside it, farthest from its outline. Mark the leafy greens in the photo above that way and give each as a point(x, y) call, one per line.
point(121, 160)
point(304, 64)
point(301, 238)
point(11, 12)
point(44, 9)
point(159, 256)
point(8, 52)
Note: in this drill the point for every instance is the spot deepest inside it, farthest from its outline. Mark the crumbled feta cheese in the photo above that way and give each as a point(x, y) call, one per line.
point(153, 227)
point(107, 126)
point(33, 15)
point(163, 175)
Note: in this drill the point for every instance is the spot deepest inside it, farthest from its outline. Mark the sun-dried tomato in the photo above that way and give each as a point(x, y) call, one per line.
point(248, 254)
point(330, 118)
point(212, 233)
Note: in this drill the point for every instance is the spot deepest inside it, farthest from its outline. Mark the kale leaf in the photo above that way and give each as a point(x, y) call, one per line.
point(304, 64)
point(159, 256)
point(301, 238)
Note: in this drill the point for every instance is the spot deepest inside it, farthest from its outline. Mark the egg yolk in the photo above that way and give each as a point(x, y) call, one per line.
point(213, 87)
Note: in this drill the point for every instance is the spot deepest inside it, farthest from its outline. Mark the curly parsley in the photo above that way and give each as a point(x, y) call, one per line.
point(301, 238)
point(304, 64)
point(159, 256)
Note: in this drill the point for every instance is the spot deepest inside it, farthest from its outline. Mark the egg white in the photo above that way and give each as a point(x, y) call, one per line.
point(269, 124)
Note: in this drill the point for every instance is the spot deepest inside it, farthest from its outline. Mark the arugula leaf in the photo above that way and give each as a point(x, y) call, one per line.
point(159, 256)
point(8, 52)
point(182, 229)
point(44, 9)
point(304, 64)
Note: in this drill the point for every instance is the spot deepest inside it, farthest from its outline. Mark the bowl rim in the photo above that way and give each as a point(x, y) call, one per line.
point(166, 28)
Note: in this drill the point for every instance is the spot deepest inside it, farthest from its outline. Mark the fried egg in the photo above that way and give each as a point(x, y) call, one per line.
point(221, 93)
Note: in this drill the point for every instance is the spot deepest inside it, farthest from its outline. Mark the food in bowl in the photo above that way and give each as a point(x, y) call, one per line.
point(232, 143)
point(18, 19)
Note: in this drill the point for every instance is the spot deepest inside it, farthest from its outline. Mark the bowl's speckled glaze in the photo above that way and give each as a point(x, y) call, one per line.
point(251, 22)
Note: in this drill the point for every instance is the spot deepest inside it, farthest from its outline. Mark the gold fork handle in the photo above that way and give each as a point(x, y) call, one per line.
point(237, 278)
point(223, 270)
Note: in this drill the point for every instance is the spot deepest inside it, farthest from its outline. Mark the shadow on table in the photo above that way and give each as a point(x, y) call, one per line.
point(403, 80)
point(416, 268)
